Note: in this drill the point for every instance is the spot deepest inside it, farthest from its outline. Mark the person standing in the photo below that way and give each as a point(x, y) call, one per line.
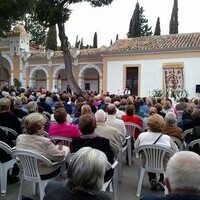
point(54, 89)
point(127, 91)
point(68, 89)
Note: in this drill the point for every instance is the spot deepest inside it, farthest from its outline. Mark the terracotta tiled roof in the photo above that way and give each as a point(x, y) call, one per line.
point(37, 54)
point(90, 52)
point(57, 54)
point(172, 42)
point(33, 46)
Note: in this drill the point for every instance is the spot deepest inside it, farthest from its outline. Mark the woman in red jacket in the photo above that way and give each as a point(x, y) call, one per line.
point(130, 117)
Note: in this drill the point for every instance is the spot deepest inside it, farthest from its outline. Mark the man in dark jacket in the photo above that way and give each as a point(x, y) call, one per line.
point(194, 136)
point(182, 177)
point(8, 119)
point(42, 103)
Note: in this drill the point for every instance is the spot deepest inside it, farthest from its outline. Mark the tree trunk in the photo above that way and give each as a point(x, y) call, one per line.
point(67, 59)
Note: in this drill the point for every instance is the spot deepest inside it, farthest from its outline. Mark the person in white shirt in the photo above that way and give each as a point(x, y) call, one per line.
point(127, 91)
point(54, 89)
point(119, 113)
point(113, 121)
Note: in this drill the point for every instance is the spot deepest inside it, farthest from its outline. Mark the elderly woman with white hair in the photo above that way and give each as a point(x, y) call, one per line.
point(84, 178)
point(106, 131)
point(17, 109)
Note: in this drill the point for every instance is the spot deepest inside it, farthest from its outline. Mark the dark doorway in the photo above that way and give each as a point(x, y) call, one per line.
point(132, 79)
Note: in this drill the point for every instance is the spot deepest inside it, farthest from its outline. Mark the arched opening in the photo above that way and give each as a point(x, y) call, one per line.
point(4, 72)
point(62, 80)
point(40, 80)
point(91, 80)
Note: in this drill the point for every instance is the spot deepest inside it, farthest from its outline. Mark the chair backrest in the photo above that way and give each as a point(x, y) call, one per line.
point(29, 161)
point(187, 133)
point(131, 128)
point(6, 147)
point(69, 157)
point(115, 150)
point(154, 157)
point(123, 138)
point(180, 113)
point(47, 114)
point(65, 140)
point(9, 130)
point(191, 144)
point(20, 119)
point(178, 142)
point(108, 167)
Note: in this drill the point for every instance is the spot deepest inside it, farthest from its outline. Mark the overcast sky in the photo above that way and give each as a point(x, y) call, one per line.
point(114, 19)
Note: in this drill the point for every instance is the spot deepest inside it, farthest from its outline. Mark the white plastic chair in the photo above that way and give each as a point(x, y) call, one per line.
point(181, 145)
point(154, 161)
point(9, 130)
point(194, 142)
point(121, 154)
point(130, 132)
point(47, 114)
point(65, 140)
point(191, 144)
point(187, 133)
point(4, 167)
point(112, 184)
point(29, 161)
point(180, 114)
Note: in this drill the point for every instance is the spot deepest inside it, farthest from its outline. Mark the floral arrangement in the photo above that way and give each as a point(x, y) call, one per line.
point(157, 93)
point(180, 93)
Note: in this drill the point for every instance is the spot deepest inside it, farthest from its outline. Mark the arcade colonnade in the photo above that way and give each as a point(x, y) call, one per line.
point(42, 69)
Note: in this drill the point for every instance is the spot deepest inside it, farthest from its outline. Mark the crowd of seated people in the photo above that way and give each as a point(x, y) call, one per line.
point(88, 118)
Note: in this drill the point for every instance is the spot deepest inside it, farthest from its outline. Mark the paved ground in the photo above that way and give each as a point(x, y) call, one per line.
point(127, 189)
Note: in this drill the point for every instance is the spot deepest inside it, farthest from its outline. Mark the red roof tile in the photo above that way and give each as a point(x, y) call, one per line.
point(58, 54)
point(172, 42)
point(90, 52)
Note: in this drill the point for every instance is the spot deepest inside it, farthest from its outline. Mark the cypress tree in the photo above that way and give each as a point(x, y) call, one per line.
point(51, 42)
point(139, 24)
point(117, 37)
point(77, 43)
point(134, 27)
point(95, 40)
point(145, 30)
point(157, 29)
point(81, 44)
point(111, 42)
point(173, 27)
